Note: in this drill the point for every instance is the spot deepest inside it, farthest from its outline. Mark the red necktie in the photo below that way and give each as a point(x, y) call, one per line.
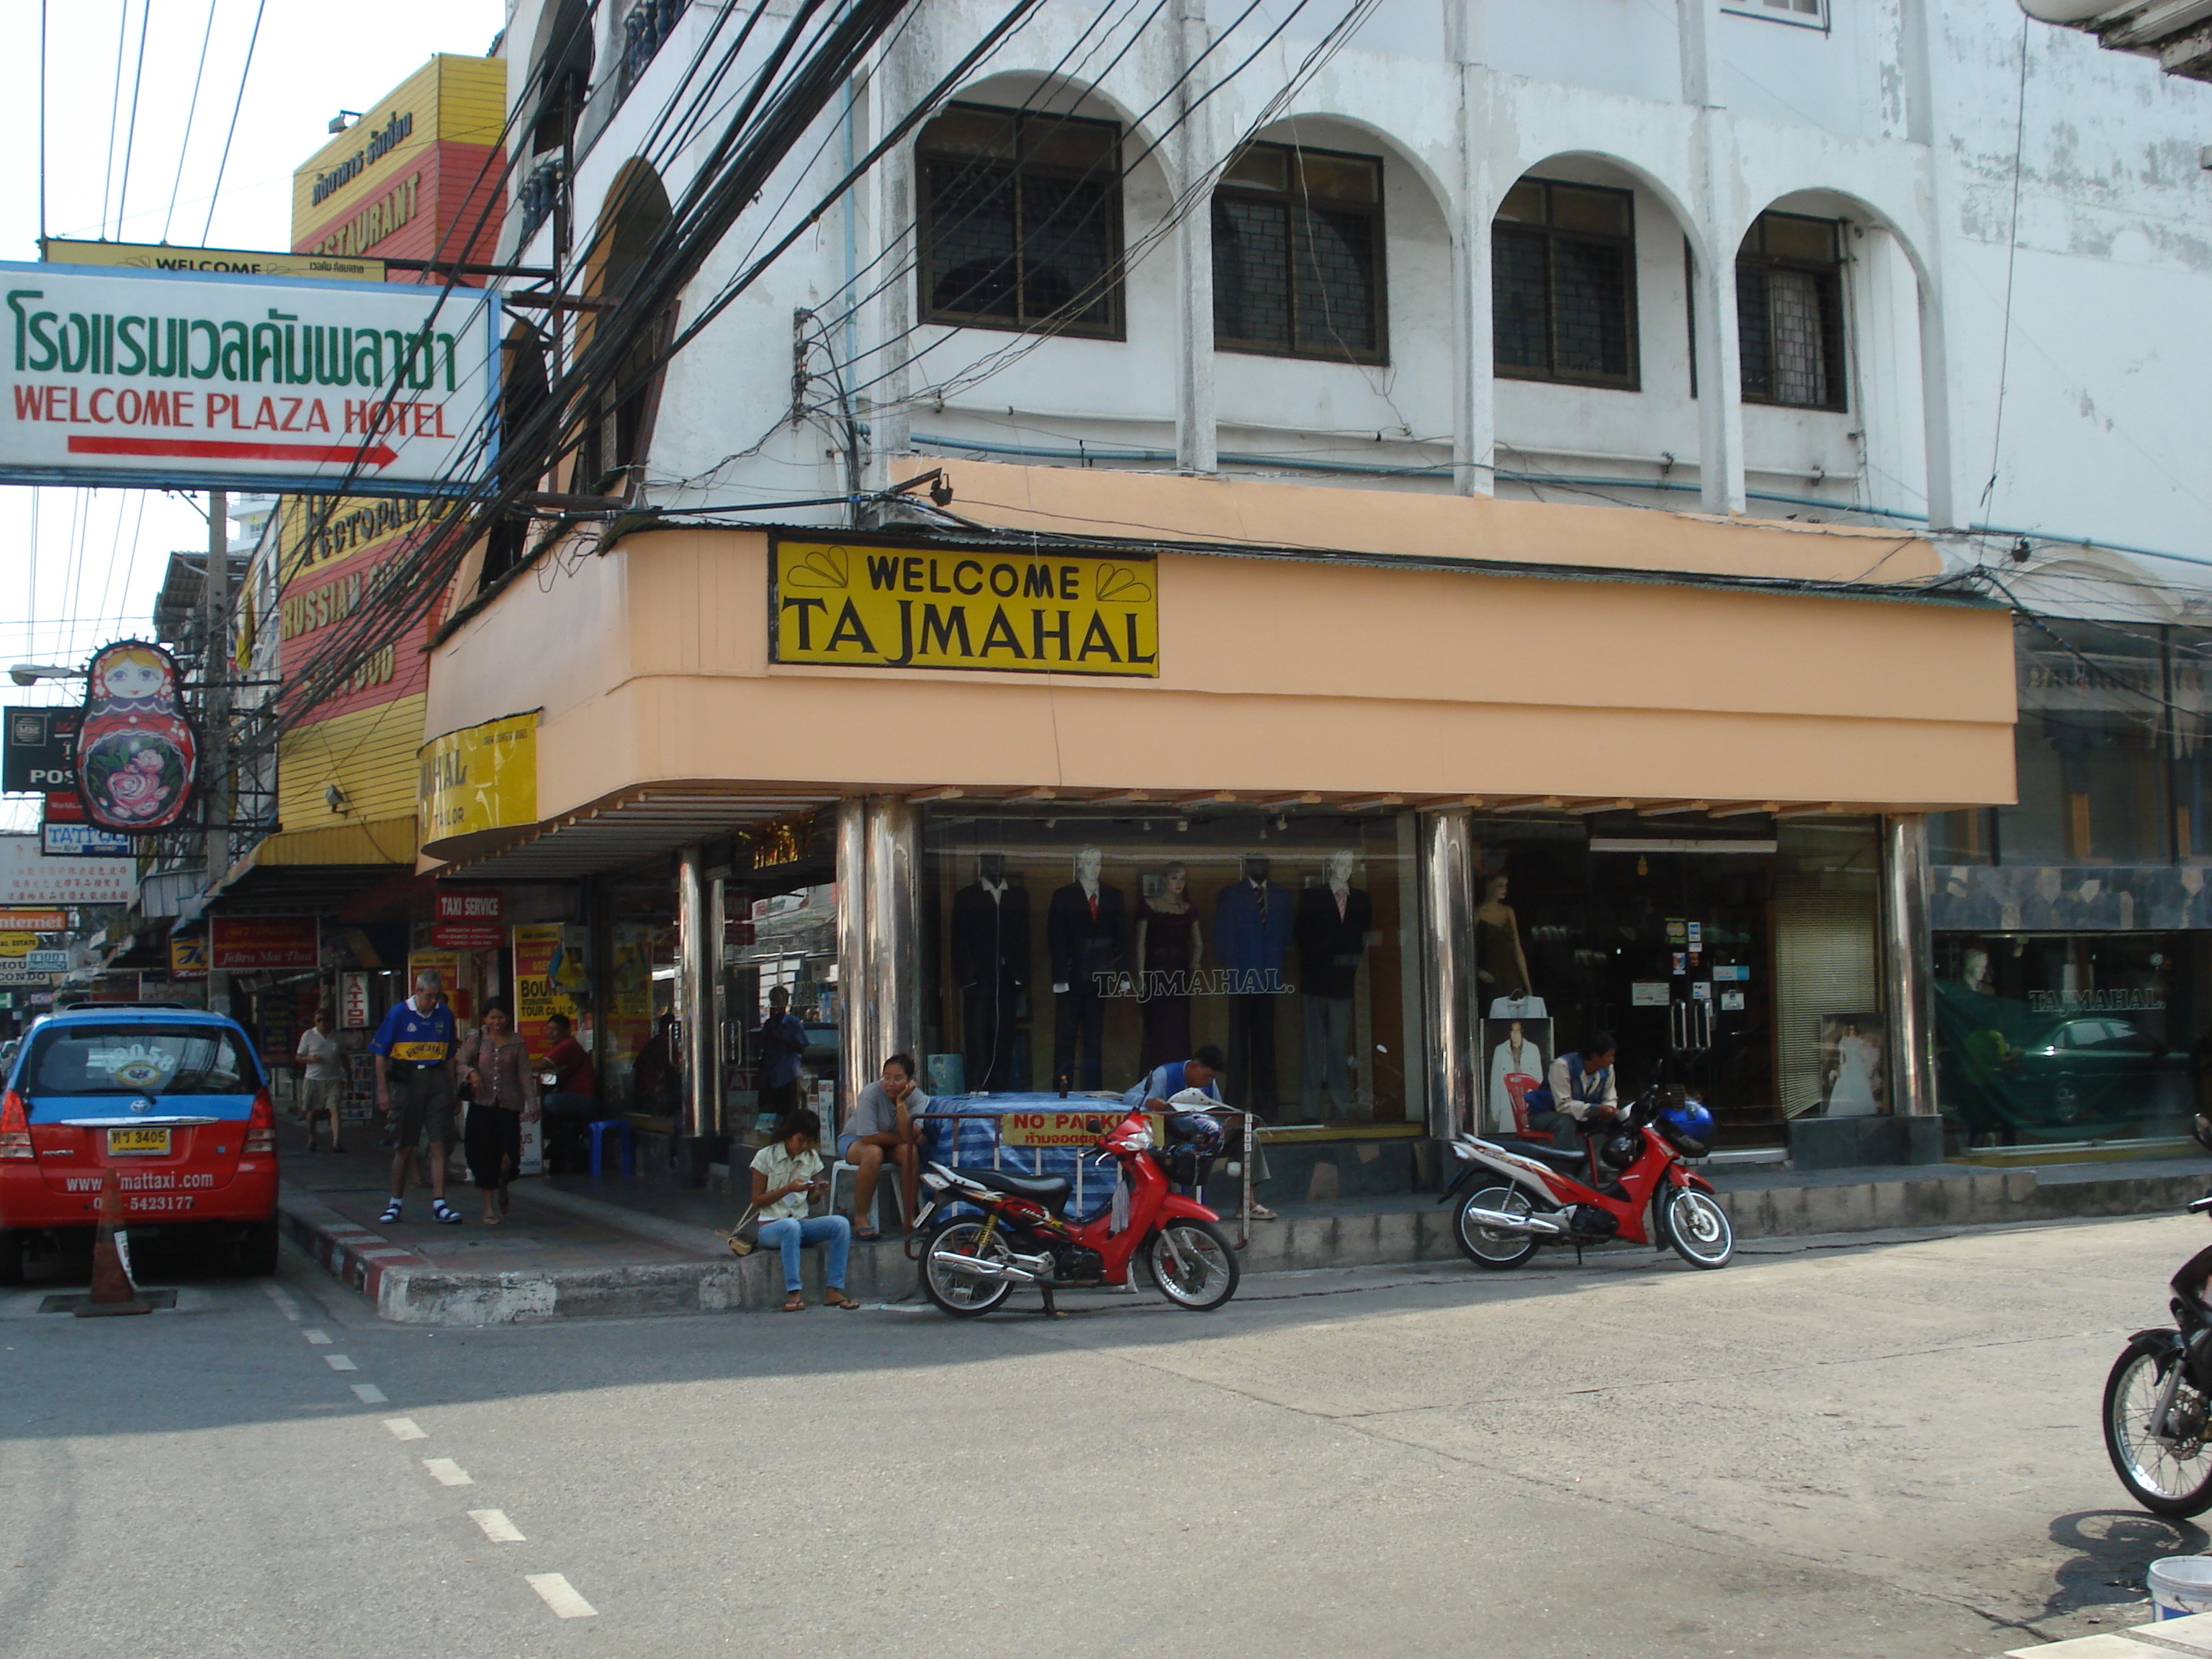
point(1094, 907)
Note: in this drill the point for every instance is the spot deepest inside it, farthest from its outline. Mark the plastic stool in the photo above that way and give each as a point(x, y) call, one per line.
point(886, 1181)
point(621, 1126)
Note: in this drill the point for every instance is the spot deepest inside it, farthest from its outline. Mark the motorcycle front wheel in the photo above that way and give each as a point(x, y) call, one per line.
point(1194, 1264)
point(1699, 1229)
point(965, 1295)
point(1486, 1247)
point(2170, 1477)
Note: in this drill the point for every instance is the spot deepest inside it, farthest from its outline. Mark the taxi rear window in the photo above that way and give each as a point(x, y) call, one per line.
point(140, 1060)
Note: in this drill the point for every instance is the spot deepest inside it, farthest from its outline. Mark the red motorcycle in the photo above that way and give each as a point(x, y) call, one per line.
point(1592, 1193)
point(1009, 1230)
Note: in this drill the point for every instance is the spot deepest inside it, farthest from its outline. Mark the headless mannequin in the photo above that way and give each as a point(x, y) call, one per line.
point(1252, 923)
point(1087, 929)
point(990, 948)
point(1333, 923)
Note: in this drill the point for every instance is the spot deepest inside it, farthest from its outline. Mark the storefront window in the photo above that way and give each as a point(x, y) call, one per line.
point(780, 954)
point(1076, 948)
point(2090, 746)
point(2044, 1038)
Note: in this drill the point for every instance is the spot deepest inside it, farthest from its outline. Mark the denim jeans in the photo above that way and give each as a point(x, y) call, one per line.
point(560, 1102)
point(791, 1235)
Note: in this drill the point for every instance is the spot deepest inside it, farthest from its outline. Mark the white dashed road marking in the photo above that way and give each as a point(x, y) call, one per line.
point(369, 1393)
point(404, 1428)
point(496, 1526)
point(321, 1339)
point(285, 1306)
point(560, 1595)
point(339, 1362)
point(448, 1473)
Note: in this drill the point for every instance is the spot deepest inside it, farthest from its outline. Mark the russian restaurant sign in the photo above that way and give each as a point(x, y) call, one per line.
point(246, 943)
point(137, 757)
point(480, 777)
point(857, 603)
point(138, 377)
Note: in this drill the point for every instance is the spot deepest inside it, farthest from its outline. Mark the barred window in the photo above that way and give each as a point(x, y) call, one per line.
point(1789, 312)
point(1021, 222)
point(1562, 284)
point(1809, 14)
point(1298, 254)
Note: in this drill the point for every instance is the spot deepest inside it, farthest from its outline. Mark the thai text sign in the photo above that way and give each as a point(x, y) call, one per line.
point(265, 942)
point(480, 777)
point(853, 603)
point(253, 382)
point(1059, 1128)
point(28, 876)
point(159, 256)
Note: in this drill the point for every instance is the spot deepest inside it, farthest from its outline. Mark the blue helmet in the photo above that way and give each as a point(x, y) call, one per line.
point(1687, 1127)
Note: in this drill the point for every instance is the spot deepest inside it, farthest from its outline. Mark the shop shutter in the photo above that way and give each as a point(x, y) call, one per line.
point(1824, 964)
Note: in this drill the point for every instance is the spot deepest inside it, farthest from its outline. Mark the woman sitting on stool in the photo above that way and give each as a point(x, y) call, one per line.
point(785, 1180)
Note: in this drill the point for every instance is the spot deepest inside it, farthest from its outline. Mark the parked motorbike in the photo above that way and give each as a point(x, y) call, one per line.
point(1626, 1182)
point(1003, 1230)
point(2158, 1399)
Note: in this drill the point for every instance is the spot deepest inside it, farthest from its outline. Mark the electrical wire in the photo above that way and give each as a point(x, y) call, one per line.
point(238, 105)
point(2012, 258)
point(114, 110)
point(191, 109)
point(130, 132)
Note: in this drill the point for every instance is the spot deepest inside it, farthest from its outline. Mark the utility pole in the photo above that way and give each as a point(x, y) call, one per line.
point(214, 709)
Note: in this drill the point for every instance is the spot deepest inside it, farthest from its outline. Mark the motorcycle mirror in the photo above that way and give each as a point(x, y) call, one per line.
point(1091, 1126)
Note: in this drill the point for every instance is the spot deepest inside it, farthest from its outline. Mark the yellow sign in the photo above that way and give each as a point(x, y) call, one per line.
point(1059, 1128)
point(18, 945)
point(450, 99)
point(159, 256)
point(188, 958)
point(481, 777)
point(855, 602)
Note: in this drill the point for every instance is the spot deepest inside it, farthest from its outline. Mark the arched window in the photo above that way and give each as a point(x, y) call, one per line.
point(1298, 254)
point(1789, 312)
point(1021, 221)
point(620, 428)
point(562, 59)
point(1562, 284)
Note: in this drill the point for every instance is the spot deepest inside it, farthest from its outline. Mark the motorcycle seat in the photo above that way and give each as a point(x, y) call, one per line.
point(1568, 1160)
point(1047, 1190)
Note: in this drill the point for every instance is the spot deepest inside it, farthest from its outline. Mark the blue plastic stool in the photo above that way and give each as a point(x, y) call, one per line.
point(621, 1126)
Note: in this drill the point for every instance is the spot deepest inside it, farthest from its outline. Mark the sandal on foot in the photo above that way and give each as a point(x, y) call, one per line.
point(867, 1235)
point(441, 1211)
point(391, 1213)
point(839, 1299)
point(1261, 1213)
point(794, 1303)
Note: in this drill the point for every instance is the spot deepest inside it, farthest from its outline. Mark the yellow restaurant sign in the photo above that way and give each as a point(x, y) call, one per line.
point(159, 256)
point(859, 603)
point(480, 777)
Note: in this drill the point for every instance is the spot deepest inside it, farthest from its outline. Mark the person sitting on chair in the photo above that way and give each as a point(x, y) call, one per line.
point(1583, 1097)
point(883, 1126)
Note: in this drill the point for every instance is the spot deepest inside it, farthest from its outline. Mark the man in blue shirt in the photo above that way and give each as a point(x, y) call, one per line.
point(783, 1045)
point(415, 1057)
point(1157, 1090)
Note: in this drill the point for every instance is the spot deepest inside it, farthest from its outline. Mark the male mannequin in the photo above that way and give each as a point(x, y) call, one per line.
point(990, 945)
point(1331, 929)
point(1252, 922)
point(1087, 930)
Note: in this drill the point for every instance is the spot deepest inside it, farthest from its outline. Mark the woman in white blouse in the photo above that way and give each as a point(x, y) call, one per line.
point(786, 1179)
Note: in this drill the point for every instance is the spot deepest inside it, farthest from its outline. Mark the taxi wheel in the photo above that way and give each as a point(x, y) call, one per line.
point(256, 1248)
point(11, 1256)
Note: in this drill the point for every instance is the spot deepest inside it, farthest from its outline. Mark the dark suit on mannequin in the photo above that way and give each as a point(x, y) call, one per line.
point(990, 946)
point(1086, 938)
point(1252, 934)
point(1331, 939)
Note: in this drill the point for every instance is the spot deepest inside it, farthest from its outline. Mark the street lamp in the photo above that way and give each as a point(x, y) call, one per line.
point(30, 674)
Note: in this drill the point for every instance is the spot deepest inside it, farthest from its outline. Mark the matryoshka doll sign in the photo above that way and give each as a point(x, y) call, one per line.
point(135, 753)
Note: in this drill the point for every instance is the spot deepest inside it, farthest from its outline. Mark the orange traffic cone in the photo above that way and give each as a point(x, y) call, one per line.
point(112, 1293)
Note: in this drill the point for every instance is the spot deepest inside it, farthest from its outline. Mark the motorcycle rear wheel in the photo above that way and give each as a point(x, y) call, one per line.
point(1194, 1264)
point(962, 1295)
point(1699, 1229)
point(1485, 1246)
point(2155, 1477)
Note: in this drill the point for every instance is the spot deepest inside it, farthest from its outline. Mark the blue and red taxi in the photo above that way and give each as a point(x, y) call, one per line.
point(173, 1100)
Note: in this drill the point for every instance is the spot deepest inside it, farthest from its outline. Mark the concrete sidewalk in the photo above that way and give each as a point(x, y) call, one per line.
point(574, 1248)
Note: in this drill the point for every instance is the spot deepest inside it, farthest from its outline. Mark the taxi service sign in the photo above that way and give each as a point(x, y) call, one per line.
point(223, 380)
point(859, 602)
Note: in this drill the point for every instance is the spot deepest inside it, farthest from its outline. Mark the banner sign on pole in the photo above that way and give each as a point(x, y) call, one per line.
point(211, 381)
point(29, 876)
point(40, 750)
point(228, 261)
point(82, 841)
point(264, 942)
point(34, 921)
point(137, 758)
point(188, 956)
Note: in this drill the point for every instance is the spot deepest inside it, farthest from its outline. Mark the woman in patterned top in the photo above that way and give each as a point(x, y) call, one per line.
point(786, 1179)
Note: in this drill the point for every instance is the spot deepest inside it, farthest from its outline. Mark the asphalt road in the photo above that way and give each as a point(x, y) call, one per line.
point(1843, 1446)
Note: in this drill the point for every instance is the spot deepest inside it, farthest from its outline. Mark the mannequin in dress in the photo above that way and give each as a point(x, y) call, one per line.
point(990, 948)
point(1252, 922)
point(1169, 942)
point(1500, 968)
point(1333, 921)
point(1087, 930)
point(1517, 1066)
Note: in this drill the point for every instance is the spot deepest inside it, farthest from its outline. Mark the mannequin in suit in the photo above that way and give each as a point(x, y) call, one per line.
point(990, 946)
point(1252, 922)
point(1332, 926)
point(1087, 929)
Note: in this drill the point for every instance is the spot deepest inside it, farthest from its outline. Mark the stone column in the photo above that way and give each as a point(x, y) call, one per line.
point(854, 980)
point(1908, 967)
point(1474, 418)
point(894, 935)
point(1719, 352)
point(1448, 942)
point(1196, 438)
point(698, 951)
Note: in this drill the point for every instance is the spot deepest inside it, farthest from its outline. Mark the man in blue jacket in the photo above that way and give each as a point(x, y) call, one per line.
point(415, 1050)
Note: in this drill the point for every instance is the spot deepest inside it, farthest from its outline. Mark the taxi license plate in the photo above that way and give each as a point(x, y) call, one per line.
point(155, 1141)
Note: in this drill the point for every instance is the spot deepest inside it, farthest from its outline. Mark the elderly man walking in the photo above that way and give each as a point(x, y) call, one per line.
point(415, 1053)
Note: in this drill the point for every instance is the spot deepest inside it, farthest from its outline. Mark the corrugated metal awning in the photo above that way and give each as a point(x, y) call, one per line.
point(626, 830)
